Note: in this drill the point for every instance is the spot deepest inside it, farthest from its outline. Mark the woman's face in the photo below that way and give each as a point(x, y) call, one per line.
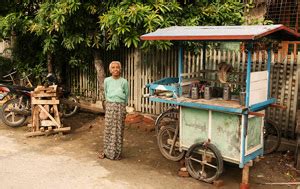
point(115, 69)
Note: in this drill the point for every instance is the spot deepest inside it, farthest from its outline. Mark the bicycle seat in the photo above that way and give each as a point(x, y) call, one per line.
point(5, 81)
point(18, 87)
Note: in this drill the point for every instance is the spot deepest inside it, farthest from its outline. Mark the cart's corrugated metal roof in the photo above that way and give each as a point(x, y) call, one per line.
point(222, 33)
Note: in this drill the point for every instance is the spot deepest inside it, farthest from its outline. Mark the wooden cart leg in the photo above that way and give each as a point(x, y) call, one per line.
point(245, 178)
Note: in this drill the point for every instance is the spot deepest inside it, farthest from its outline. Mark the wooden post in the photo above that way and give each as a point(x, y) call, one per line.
point(35, 118)
point(245, 178)
point(137, 79)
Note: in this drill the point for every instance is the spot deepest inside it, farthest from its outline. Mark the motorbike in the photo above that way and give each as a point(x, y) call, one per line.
point(15, 111)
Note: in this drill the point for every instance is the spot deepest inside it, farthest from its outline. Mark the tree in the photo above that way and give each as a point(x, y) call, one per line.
point(68, 26)
point(13, 18)
point(73, 25)
point(73, 31)
point(125, 23)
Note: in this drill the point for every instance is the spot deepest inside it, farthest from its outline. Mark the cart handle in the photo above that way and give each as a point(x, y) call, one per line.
point(256, 114)
point(278, 106)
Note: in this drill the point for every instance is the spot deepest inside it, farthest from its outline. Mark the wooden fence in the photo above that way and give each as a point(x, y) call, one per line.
point(140, 68)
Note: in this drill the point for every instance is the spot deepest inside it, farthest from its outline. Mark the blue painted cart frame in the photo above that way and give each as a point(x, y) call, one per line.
point(190, 110)
point(176, 89)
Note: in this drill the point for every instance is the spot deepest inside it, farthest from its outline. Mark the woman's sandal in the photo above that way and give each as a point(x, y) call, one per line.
point(101, 155)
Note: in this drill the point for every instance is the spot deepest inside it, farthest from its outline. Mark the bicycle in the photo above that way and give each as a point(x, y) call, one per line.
point(272, 133)
point(23, 81)
point(272, 137)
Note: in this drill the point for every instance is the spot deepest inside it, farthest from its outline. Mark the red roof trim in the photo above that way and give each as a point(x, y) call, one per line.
point(281, 28)
point(231, 37)
point(284, 28)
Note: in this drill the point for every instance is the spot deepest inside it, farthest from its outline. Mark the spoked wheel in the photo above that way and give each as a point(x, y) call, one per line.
point(297, 153)
point(167, 118)
point(68, 109)
point(272, 137)
point(6, 98)
point(9, 115)
point(168, 143)
point(204, 162)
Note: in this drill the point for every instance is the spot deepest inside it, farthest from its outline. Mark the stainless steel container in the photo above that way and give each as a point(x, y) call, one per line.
point(195, 93)
point(242, 98)
point(207, 93)
point(226, 93)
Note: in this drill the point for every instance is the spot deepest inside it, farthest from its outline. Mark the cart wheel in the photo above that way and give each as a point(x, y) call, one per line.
point(297, 153)
point(166, 144)
point(272, 137)
point(169, 117)
point(204, 162)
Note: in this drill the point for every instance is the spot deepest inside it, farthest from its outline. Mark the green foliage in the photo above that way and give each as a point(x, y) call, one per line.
point(258, 21)
point(28, 57)
point(5, 66)
point(72, 29)
point(11, 22)
point(71, 23)
point(217, 12)
point(16, 15)
point(125, 23)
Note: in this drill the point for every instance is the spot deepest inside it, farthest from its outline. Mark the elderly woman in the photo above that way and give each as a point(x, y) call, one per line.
point(116, 95)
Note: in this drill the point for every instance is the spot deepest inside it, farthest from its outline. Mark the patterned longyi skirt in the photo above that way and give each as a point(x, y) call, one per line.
point(114, 129)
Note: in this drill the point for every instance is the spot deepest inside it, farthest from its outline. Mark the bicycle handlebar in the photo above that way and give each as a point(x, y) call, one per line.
point(10, 74)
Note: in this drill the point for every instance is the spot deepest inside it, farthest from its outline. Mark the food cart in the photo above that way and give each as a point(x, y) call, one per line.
point(214, 128)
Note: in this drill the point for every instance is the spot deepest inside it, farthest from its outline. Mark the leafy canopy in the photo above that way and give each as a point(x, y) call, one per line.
point(123, 24)
point(70, 29)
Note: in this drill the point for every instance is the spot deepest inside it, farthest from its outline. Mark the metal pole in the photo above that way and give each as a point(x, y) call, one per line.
point(204, 58)
point(269, 70)
point(249, 62)
point(180, 68)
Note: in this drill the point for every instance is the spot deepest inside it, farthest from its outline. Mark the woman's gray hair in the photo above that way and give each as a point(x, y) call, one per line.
point(115, 62)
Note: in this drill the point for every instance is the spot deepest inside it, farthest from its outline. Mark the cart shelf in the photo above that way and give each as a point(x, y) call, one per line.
point(217, 104)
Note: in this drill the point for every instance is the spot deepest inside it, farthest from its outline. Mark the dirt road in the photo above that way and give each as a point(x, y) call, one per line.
point(70, 161)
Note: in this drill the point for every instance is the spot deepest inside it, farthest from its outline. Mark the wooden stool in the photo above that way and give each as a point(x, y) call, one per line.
point(45, 114)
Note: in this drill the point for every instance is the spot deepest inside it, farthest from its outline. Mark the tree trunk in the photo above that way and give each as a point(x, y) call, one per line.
point(99, 66)
point(13, 40)
point(50, 62)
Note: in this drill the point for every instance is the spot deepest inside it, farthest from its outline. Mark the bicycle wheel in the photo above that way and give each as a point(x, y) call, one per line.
point(204, 162)
point(11, 118)
point(297, 153)
point(272, 137)
point(67, 109)
point(166, 144)
point(167, 118)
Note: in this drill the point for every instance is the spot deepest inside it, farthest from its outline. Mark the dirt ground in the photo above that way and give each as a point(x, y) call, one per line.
point(70, 161)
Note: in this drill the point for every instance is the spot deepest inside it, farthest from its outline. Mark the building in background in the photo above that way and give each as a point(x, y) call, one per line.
point(5, 50)
point(286, 12)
